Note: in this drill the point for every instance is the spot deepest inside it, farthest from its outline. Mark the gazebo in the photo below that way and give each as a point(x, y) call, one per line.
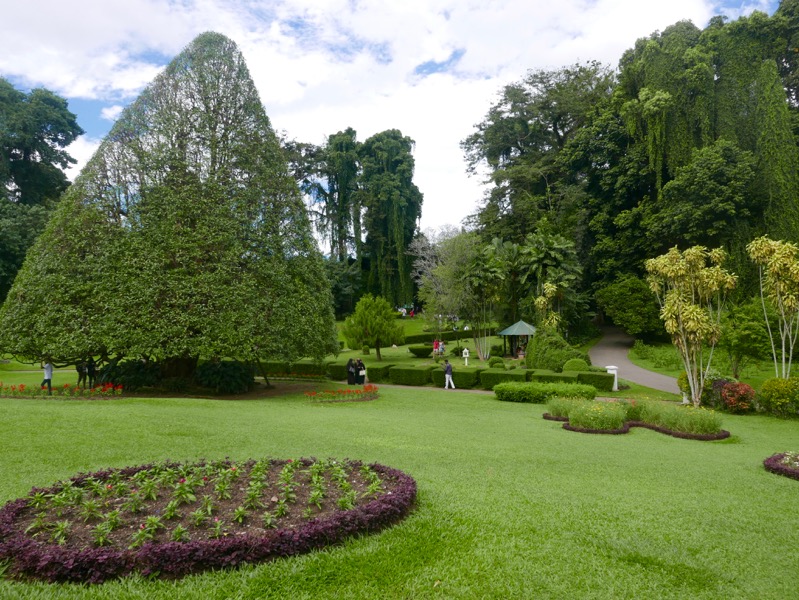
point(514, 332)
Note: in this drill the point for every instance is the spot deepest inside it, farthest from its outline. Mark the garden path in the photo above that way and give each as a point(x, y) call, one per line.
point(612, 350)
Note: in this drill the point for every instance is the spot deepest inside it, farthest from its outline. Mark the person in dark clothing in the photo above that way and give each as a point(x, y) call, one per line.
point(361, 372)
point(448, 375)
point(351, 370)
point(91, 371)
point(81, 369)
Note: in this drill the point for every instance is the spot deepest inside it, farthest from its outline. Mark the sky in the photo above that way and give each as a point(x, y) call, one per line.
point(430, 68)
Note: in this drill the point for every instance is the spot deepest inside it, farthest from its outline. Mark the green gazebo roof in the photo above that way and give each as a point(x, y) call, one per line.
point(518, 328)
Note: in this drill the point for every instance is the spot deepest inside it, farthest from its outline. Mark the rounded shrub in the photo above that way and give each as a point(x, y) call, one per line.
point(495, 362)
point(575, 364)
point(421, 351)
point(365, 350)
point(132, 374)
point(780, 396)
point(548, 350)
point(738, 397)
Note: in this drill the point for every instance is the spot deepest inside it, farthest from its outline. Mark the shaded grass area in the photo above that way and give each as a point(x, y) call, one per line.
point(509, 505)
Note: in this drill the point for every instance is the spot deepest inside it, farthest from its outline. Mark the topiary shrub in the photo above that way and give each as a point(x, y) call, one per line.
point(422, 351)
point(491, 377)
point(539, 393)
point(409, 375)
point(780, 396)
point(496, 350)
point(378, 373)
point(601, 381)
point(495, 362)
point(225, 377)
point(575, 364)
point(463, 377)
point(548, 350)
point(365, 350)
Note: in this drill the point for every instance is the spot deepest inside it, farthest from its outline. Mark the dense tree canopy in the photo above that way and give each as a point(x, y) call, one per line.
point(184, 236)
point(35, 129)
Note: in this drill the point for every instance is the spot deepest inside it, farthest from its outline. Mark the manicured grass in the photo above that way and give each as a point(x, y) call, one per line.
point(509, 506)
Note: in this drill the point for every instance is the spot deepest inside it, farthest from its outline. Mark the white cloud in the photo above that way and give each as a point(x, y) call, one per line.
point(111, 113)
point(81, 150)
point(324, 65)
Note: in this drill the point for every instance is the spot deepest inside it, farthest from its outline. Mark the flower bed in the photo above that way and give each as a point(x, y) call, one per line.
point(66, 390)
point(785, 464)
point(368, 392)
point(171, 519)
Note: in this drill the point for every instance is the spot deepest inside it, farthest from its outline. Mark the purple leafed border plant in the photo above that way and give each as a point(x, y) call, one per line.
point(30, 558)
point(775, 464)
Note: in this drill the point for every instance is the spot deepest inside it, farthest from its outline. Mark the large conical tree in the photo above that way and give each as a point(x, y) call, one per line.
point(183, 237)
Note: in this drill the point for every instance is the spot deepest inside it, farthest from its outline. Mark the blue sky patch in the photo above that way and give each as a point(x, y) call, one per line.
point(431, 66)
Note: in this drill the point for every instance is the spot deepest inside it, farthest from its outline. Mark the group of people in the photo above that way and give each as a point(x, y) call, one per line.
point(439, 348)
point(87, 374)
point(356, 372)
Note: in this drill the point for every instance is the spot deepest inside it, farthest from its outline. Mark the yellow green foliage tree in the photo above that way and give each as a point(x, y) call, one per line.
point(778, 264)
point(691, 288)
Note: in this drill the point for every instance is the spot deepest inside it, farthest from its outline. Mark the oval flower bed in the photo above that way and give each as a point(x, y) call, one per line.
point(785, 464)
point(171, 519)
point(618, 417)
point(367, 392)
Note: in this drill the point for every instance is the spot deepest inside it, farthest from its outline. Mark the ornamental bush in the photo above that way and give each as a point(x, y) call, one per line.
point(131, 374)
point(679, 418)
point(225, 377)
point(422, 351)
point(409, 375)
point(308, 367)
point(491, 377)
point(738, 397)
point(548, 350)
point(539, 393)
point(495, 362)
point(780, 396)
point(575, 364)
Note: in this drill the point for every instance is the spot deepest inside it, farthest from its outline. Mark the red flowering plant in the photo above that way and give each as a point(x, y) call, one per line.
point(738, 397)
point(368, 392)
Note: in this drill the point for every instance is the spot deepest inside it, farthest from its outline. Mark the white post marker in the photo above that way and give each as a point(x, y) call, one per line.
point(465, 357)
point(615, 371)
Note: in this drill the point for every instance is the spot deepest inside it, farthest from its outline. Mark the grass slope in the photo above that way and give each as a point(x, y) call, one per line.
point(510, 505)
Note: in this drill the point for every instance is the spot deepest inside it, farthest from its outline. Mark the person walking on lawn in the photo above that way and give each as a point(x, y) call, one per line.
point(448, 374)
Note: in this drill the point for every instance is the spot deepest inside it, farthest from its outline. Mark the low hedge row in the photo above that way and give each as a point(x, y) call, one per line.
point(491, 377)
point(464, 377)
point(601, 381)
point(447, 336)
point(421, 351)
point(540, 392)
point(337, 371)
point(409, 375)
point(378, 373)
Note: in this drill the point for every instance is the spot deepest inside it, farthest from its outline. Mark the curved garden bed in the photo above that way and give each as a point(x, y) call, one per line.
point(784, 463)
point(709, 437)
point(171, 519)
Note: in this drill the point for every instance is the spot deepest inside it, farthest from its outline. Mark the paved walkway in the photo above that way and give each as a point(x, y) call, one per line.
point(612, 350)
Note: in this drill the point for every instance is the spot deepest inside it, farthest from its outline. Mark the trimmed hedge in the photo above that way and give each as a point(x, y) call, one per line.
point(378, 373)
point(495, 362)
point(548, 350)
point(491, 377)
point(463, 377)
point(337, 371)
point(601, 381)
point(421, 351)
point(410, 375)
point(308, 367)
point(447, 336)
point(555, 377)
point(540, 392)
point(275, 367)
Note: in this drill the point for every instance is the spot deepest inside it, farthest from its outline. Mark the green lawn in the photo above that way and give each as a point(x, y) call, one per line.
point(510, 505)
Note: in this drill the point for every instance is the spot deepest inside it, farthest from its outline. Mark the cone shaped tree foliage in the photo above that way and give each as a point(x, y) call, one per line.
point(184, 237)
